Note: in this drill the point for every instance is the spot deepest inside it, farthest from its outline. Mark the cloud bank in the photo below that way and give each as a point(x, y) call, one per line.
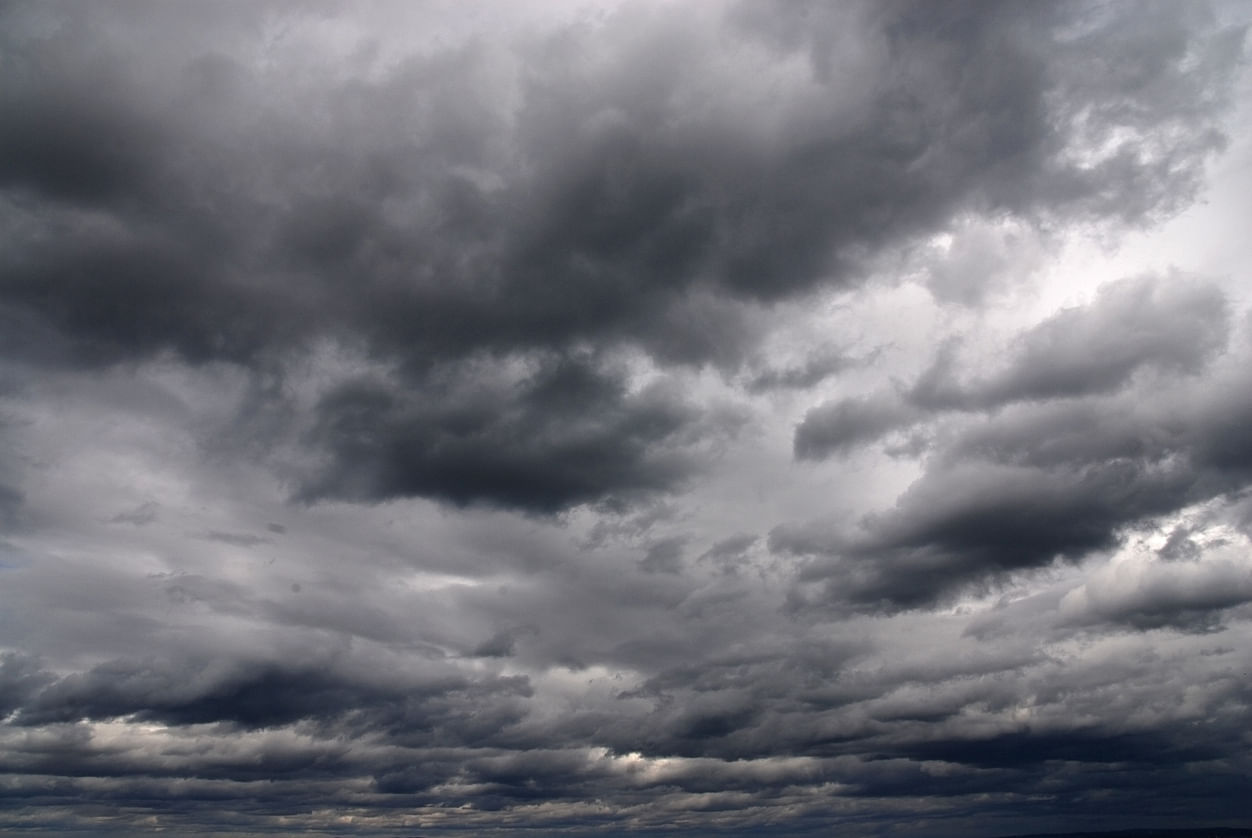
point(763, 418)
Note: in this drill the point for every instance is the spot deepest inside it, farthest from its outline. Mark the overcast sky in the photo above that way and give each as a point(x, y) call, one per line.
point(460, 419)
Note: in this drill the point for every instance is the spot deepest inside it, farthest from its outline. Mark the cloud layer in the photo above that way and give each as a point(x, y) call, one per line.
point(736, 417)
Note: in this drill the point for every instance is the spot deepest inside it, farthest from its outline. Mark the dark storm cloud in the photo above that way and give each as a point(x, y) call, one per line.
point(1008, 750)
point(261, 694)
point(454, 747)
point(21, 678)
point(567, 434)
point(68, 139)
point(535, 275)
point(429, 215)
point(89, 291)
point(1033, 484)
point(1066, 462)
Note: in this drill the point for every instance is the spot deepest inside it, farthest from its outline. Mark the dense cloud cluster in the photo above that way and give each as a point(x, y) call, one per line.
point(622, 416)
point(1070, 447)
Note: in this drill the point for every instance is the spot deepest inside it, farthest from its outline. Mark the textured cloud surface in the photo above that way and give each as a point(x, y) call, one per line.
point(608, 418)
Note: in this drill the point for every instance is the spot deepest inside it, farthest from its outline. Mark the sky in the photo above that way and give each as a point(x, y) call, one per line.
point(624, 418)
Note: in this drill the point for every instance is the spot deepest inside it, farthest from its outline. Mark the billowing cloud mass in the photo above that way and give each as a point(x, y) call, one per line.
point(601, 418)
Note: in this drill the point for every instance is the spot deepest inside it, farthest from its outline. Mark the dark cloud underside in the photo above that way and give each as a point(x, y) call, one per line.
point(469, 201)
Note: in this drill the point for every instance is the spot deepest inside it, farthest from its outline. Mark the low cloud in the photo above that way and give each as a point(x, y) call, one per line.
point(590, 417)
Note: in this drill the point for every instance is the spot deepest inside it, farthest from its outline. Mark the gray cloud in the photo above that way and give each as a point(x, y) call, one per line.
point(816, 368)
point(1187, 595)
point(850, 423)
point(596, 209)
point(567, 434)
point(1172, 325)
point(1031, 485)
point(428, 420)
point(1166, 324)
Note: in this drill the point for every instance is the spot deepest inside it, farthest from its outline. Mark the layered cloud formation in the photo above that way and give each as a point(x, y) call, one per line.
point(753, 417)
